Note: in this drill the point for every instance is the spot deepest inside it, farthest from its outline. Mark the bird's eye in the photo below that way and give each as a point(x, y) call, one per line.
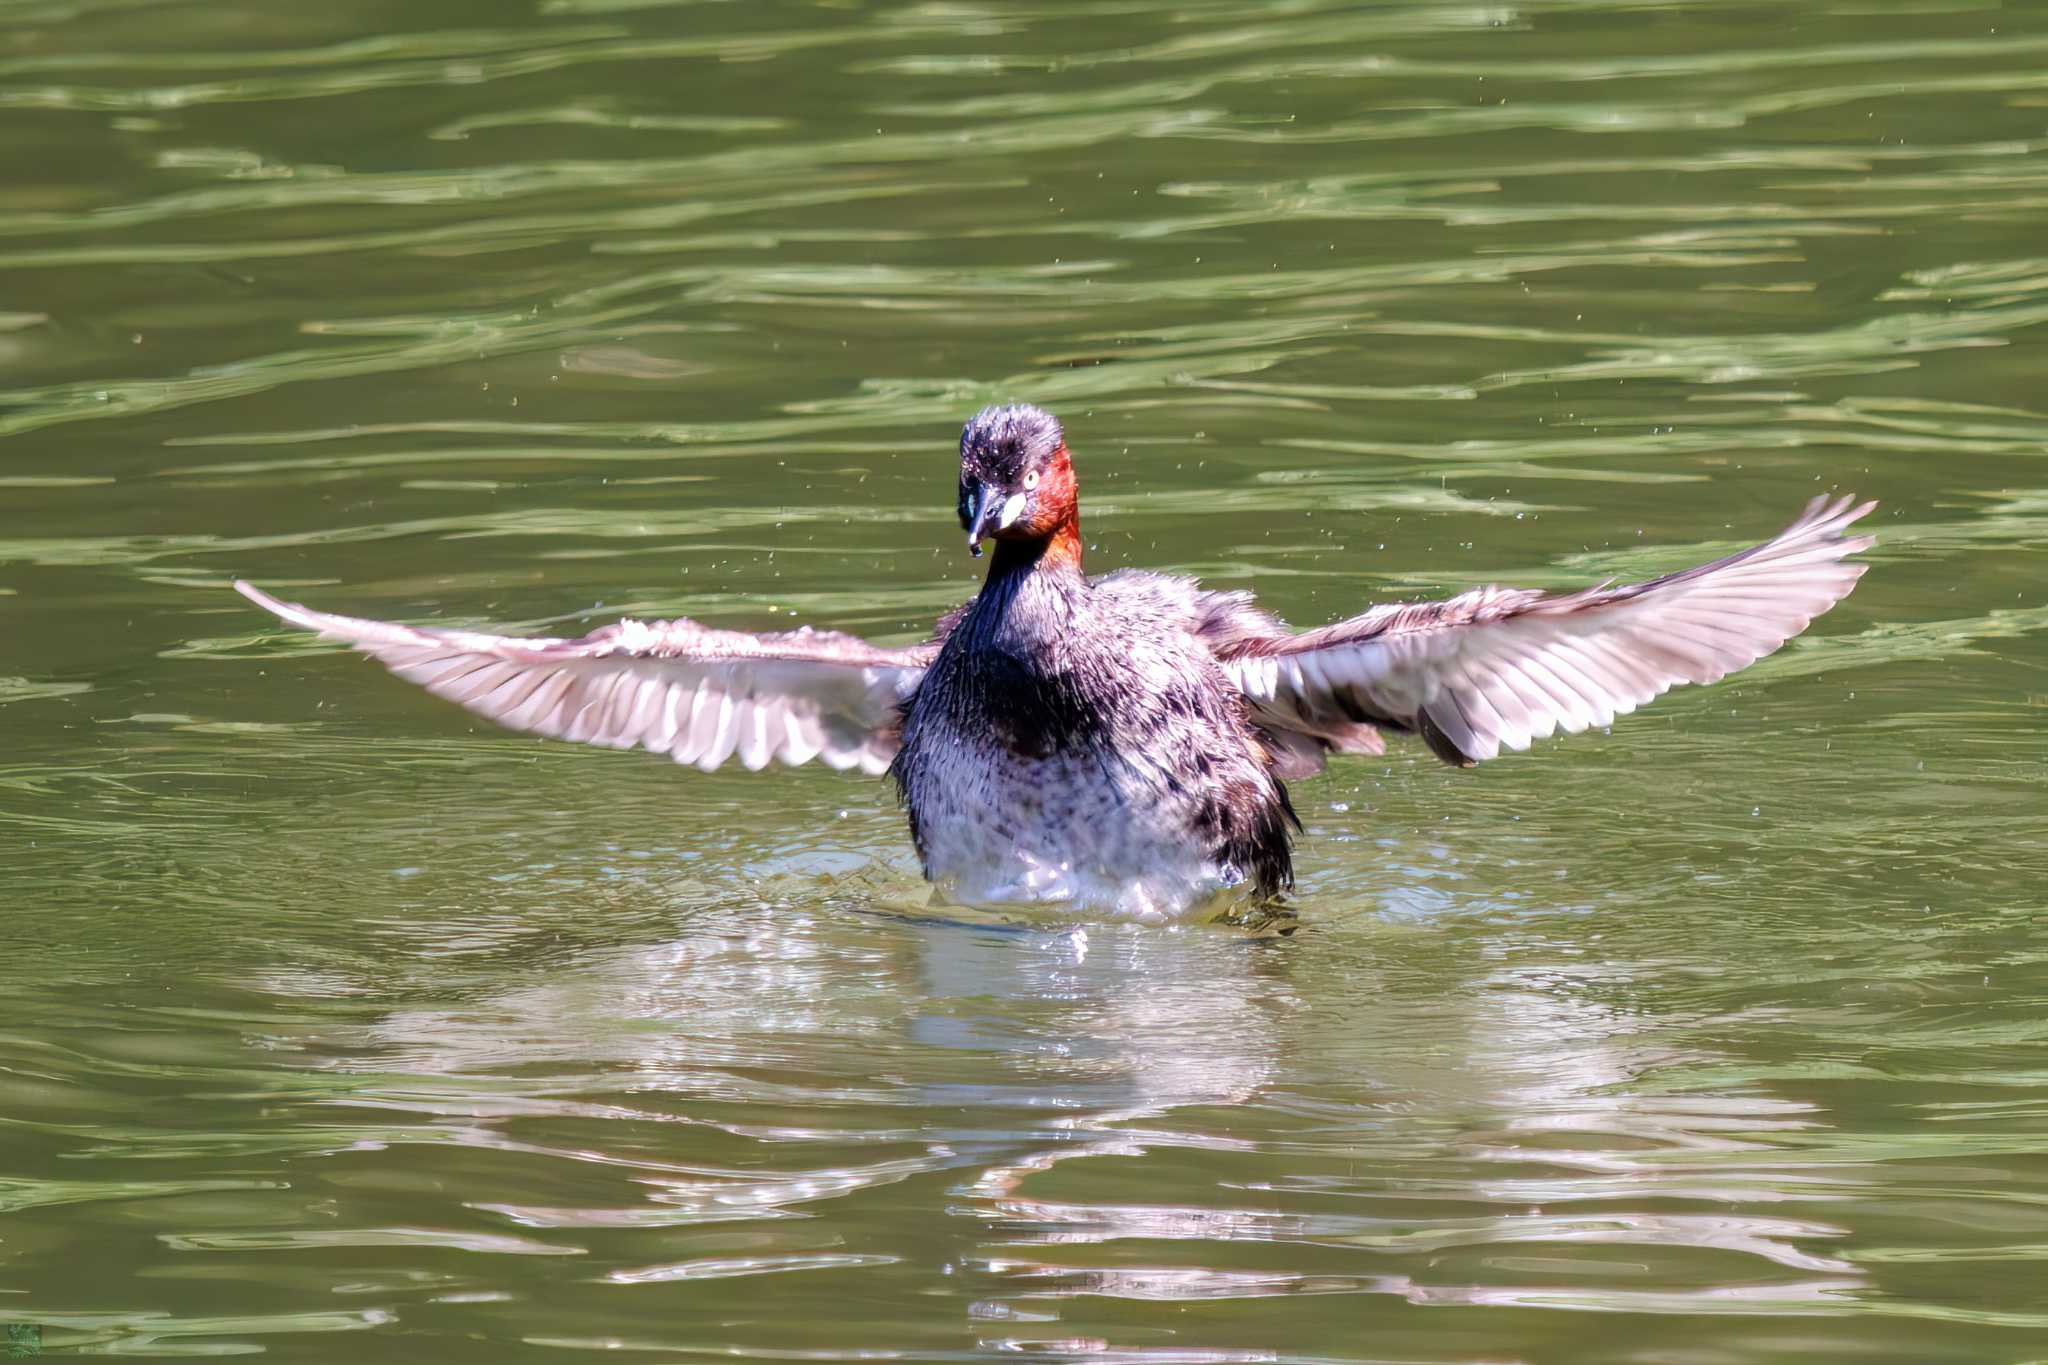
point(1031, 481)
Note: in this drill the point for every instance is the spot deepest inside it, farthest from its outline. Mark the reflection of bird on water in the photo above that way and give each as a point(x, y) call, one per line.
point(1118, 744)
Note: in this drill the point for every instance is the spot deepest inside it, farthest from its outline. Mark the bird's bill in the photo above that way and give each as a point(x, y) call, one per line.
point(994, 512)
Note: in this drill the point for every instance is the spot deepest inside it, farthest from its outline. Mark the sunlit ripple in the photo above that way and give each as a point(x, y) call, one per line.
point(727, 1268)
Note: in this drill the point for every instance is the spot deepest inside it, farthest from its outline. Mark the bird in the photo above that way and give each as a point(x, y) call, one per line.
point(1118, 746)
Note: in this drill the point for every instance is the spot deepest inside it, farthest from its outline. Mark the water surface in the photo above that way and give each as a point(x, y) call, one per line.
point(335, 1026)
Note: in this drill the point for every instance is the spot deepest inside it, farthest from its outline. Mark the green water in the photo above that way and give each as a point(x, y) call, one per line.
point(335, 1028)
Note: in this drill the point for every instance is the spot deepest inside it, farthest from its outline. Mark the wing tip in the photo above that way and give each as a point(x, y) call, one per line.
point(1832, 513)
point(291, 613)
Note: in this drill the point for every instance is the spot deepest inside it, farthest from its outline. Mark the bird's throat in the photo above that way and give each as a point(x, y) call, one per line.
point(1059, 552)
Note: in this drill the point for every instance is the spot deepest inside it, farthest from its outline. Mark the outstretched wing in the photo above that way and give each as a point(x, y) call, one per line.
point(675, 687)
point(1504, 666)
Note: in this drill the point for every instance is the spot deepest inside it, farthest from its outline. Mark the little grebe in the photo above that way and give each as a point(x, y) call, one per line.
point(1118, 744)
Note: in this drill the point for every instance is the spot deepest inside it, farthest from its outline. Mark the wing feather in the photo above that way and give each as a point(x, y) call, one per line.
point(1502, 667)
point(677, 688)
point(721, 733)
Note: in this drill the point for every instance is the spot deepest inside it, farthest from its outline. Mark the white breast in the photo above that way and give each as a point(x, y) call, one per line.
point(1069, 832)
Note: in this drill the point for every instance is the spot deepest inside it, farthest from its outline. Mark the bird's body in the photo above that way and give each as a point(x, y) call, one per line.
point(1076, 741)
point(1118, 745)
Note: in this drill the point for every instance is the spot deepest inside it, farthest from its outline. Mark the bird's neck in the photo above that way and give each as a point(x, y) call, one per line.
point(1058, 553)
point(1027, 603)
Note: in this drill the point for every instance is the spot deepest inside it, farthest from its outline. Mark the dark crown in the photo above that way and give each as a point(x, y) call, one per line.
point(1002, 442)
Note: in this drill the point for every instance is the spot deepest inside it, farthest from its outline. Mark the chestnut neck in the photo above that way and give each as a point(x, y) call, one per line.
point(1059, 552)
point(1056, 551)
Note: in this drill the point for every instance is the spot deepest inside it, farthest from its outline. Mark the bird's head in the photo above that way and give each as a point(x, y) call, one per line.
point(1016, 479)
